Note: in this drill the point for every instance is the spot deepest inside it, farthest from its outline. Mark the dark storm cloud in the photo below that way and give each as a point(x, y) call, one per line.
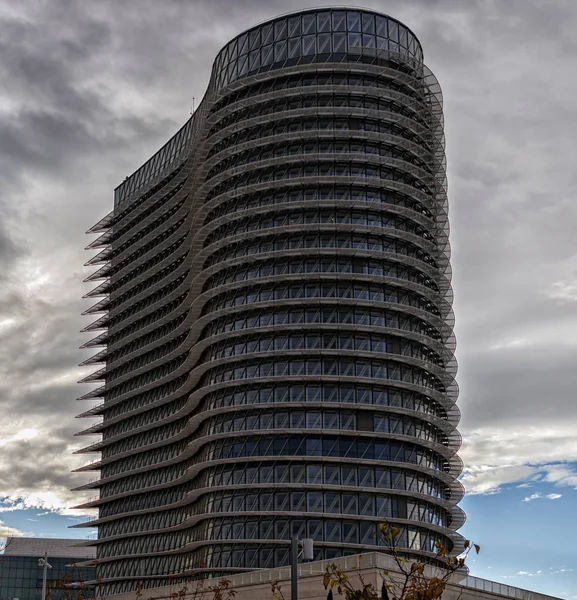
point(91, 90)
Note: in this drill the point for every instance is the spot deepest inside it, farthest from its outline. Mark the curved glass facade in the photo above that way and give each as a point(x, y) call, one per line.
point(313, 36)
point(278, 347)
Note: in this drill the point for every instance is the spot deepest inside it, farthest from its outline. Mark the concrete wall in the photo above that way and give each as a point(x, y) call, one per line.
point(256, 585)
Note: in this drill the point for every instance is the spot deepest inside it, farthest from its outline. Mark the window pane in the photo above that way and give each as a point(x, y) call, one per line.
point(403, 36)
point(267, 33)
point(294, 47)
point(267, 55)
point(354, 40)
point(323, 22)
point(339, 42)
point(242, 44)
point(280, 51)
point(309, 45)
point(254, 60)
point(254, 39)
point(294, 26)
point(280, 30)
point(243, 65)
point(368, 41)
point(309, 23)
point(339, 18)
point(354, 21)
point(324, 43)
point(381, 26)
point(368, 23)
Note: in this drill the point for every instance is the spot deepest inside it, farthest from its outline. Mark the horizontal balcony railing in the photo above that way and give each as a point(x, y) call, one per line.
point(94, 411)
point(96, 428)
point(97, 358)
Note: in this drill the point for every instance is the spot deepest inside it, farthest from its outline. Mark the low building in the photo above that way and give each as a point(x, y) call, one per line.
point(256, 585)
point(20, 575)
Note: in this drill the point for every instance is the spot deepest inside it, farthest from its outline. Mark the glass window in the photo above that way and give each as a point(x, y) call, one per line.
point(315, 529)
point(354, 40)
point(414, 539)
point(309, 23)
point(314, 420)
point(308, 45)
point(383, 477)
point(298, 501)
point(281, 502)
point(354, 20)
point(382, 43)
point(314, 474)
point(369, 41)
point(280, 51)
point(367, 533)
point(368, 23)
point(242, 44)
point(254, 60)
point(314, 447)
point(331, 475)
point(403, 36)
point(251, 502)
point(298, 474)
point(281, 473)
point(267, 34)
point(366, 477)
point(254, 39)
point(280, 30)
point(323, 22)
point(339, 20)
point(333, 531)
point(232, 51)
point(381, 26)
point(243, 65)
point(350, 533)
point(324, 43)
point(231, 71)
point(314, 502)
point(350, 504)
point(294, 26)
point(383, 507)
point(298, 420)
point(349, 476)
point(366, 504)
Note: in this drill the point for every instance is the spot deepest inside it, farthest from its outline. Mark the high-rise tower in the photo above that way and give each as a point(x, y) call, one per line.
point(277, 314)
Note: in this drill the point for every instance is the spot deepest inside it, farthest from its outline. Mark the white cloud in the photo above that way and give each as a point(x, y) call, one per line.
point(49, 502)
point(497, 457)
point(488, 479)
point(561, 475)
point(553, 571)
point(564, 291)
point(540, 496)
point(6, 531)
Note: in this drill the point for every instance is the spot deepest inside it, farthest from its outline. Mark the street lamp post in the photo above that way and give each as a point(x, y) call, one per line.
point(307, 554)
point(43, 562)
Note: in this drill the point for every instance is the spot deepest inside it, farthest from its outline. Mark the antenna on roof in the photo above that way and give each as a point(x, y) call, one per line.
point(192, 107)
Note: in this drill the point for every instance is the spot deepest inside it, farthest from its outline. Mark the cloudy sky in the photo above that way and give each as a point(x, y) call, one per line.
point(89, 90)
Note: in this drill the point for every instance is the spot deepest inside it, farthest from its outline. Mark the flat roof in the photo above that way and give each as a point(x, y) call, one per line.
point(55, 547)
